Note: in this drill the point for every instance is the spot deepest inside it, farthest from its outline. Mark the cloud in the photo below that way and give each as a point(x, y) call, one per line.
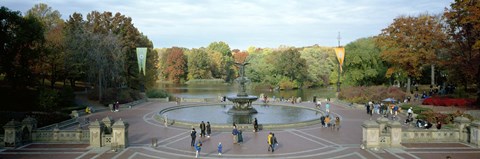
point(261, 23)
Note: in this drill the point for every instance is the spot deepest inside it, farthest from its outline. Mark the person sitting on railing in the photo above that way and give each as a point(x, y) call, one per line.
point(428, 125)
point(439, 125)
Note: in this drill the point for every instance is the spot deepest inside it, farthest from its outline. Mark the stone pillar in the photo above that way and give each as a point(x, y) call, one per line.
point(395, 134)
point(371, 134)
point(475, 133)
point(462, 122)
point(78, 134)
point(13, 135)
point(120, 134)
point(382, 122)
point(56, 133)
point(95, 134)
point(107, 121)
point(30, 124)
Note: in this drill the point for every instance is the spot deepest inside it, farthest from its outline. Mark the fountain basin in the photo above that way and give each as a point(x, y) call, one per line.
point(269, 116)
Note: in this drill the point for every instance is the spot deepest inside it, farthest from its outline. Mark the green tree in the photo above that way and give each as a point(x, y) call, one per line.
point(75, 49)
point(222, 60)
point(463, 28)
point(288, 63)
point(411, 43)
point(320, 62)
point(199, 65)
point(363, 65)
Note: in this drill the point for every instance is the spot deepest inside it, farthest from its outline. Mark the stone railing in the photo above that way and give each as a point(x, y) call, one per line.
point(430, 135)
point(159, 99)
point(385, 133)
point(61, 125)
point(2, 143)
point(57, 135)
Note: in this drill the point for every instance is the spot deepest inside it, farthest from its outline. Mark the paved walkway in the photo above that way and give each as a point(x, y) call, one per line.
point(304, 142)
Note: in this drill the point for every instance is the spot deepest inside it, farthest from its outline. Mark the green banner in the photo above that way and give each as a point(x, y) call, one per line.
point(142, 58)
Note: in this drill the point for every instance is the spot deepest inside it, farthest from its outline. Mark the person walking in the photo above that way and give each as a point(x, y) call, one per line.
point(410, 112)
point(255, 125)
point(274, 142)
point(219, 149)
point(269, 141)
point(202, 129)
point(240, 136)
point(337, 123)
point(209, 129)
point(193, 134)
point(327, 108)
point(198, 148)
point(322, 120)
point(235, 135)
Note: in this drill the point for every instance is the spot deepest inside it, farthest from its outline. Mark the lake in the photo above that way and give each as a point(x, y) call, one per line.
point(217, 90)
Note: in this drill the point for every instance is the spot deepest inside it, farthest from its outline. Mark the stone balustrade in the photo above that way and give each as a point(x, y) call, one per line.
point(385, 133)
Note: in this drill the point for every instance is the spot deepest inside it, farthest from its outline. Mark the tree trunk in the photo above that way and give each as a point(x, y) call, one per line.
point(433, 75)
point(409, 80)
point(99, 85)
point(478, 86)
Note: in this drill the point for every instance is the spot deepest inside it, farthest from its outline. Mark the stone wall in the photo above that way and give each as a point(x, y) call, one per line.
point(105, 134)
point(385, 133)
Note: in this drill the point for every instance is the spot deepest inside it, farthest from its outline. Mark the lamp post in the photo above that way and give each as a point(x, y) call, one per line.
point(340, 53)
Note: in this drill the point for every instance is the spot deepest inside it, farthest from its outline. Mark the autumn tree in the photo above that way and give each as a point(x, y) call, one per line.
point(53, 50)
point(176, 65)
point(463, 28)
point(239, 56)
point(411, 43)
point(20, 42)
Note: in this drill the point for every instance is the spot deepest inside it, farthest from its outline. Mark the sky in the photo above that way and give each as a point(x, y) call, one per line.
point(245, 23)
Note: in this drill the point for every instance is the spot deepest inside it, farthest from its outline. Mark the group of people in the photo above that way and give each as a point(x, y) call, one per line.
point(272, 141)
point(390, 110)
point(326, 122)
point(205, 131)
point(115, 106)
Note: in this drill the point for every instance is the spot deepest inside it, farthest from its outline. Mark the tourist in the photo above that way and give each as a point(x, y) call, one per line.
point(327, 108)
point(193, 134)
point(327, 121)
point(177, 100)
point(410, 112)
point(117, 106)
point(202, 129)
point(198, 148)
point(315, 100)
point(269, 141)
point(219, 149)
point(209, 129)
point(255, 125)
point(235, 135)
point(274, 142)
point(428, 125)
point(439, 125)
point(165, 117)
point(337, 123)
point(240, 136)
point(322, 120)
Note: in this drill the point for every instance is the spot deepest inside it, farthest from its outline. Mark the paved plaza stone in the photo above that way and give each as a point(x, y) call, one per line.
point(302, 142)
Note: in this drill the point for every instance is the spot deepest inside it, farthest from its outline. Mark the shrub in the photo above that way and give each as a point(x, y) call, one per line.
point(285, 83)
point(375, 93)
point(67, 97)
point(415, 108)
point(447, 101)
point(157, 93)
point(48, 99)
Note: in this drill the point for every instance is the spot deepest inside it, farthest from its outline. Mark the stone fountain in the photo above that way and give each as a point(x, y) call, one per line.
point(242, 102)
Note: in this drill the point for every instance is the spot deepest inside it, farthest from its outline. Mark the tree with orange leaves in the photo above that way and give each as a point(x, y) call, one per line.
point(463, 28)
point(176, 65)
point(411, 43)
